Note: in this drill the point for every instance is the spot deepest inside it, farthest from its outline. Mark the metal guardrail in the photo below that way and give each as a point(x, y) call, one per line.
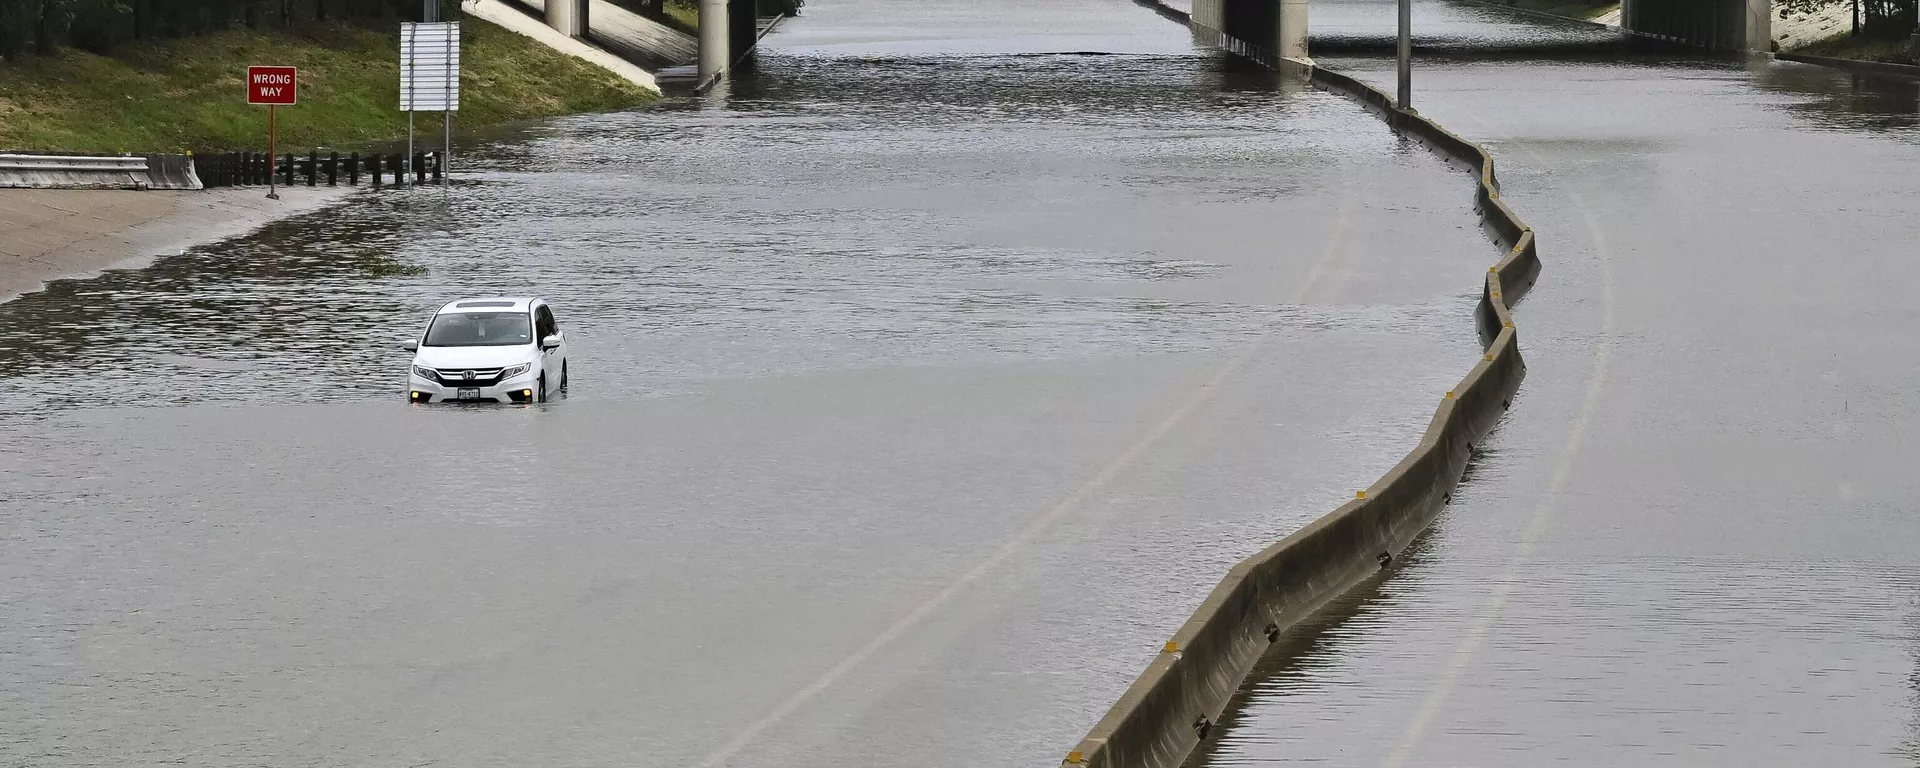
point(73, 172)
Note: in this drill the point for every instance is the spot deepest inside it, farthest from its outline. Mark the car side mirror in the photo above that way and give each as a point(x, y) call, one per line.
point(550, 342)
point(410, 345)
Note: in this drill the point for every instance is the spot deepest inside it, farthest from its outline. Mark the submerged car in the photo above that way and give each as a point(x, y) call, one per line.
point(501, 350)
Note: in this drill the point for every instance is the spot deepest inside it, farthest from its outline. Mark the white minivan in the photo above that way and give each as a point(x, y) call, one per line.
point(498, 350)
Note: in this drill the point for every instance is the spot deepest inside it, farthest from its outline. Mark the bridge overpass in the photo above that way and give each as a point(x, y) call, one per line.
point(727, 31)
point(1278, 29)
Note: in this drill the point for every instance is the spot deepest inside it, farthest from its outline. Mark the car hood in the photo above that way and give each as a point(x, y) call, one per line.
point(474, 357)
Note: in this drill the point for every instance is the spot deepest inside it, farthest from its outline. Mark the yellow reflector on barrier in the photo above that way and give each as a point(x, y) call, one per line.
point(1170, 647)
point(1449, 394)
point(1075, 757)
point(1359, 494)
point(1489, 355)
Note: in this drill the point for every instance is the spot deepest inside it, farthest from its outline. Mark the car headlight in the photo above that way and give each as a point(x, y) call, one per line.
point(515, 370)
point(425, 373)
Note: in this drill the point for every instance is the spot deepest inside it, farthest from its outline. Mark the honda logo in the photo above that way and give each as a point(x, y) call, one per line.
point(466, 374)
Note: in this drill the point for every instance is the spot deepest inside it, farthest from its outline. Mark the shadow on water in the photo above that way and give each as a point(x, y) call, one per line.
point(1837, 100)
point(1607, 48)
point(1311, 645)
point(1010, 82)
point(1317, 643)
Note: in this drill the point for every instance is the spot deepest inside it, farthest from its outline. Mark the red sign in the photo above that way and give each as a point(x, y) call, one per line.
point(271, 85)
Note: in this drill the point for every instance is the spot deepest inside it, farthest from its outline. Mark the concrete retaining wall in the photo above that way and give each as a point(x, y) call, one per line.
point(72, 172)
point(1172, 706)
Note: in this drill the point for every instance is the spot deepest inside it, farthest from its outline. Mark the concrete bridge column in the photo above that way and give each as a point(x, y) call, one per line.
point(568, 17)
point(715, 37)
point(1291, 42)
point(1759, 25)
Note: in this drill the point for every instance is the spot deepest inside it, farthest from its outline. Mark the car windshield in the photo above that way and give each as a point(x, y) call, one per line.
point(479, 329)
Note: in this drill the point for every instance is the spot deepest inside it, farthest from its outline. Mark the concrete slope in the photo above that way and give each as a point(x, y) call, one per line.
point(506, 16)
point(634, 37)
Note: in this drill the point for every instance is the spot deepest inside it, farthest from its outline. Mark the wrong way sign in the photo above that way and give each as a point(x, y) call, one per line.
point(272, 85)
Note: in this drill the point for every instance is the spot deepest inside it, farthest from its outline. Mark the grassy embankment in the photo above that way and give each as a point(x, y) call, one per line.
point(687, 12)
point(1866, 49)
point(191, 93)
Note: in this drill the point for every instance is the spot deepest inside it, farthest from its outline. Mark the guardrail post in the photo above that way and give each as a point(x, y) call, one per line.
point(289, 170)
point(353, 170)
point(419, 168)
point(399, 170)
point(313, 166)
point(438, 159)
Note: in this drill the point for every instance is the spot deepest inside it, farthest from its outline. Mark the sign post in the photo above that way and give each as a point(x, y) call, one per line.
point(274, 87)
point(1403, 52)
point(430, 79)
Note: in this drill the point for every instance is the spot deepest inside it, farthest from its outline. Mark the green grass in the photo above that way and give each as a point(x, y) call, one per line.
point(191, 93)
point(1844, 46)
point(687, 12)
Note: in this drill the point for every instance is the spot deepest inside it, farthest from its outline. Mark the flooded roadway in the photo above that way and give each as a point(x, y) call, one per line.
point(922, 386)
point(1691, 542)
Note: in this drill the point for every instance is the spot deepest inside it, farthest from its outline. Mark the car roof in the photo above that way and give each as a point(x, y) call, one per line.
point(489, 304)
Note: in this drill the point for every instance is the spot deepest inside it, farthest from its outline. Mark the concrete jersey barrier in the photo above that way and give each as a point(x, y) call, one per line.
point(72, 172)
point(172, 171)
point(1173, 705)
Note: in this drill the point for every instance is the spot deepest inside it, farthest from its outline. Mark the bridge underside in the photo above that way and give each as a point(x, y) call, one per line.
point(1266, 30)
point(651, 43)
point(1270, 30)
point(1721, 25)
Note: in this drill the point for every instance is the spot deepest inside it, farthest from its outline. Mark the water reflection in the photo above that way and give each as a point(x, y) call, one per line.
point(246, 301)
point(1838, 100)
point(1305, 652)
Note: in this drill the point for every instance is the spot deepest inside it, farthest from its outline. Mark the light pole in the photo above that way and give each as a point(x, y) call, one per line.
point(1406, 54)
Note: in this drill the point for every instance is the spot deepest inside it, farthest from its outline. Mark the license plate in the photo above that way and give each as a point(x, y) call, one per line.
point(468, 393)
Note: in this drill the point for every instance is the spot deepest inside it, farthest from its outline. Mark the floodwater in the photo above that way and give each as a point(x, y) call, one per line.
point(1691, 542)
point(923, 383)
